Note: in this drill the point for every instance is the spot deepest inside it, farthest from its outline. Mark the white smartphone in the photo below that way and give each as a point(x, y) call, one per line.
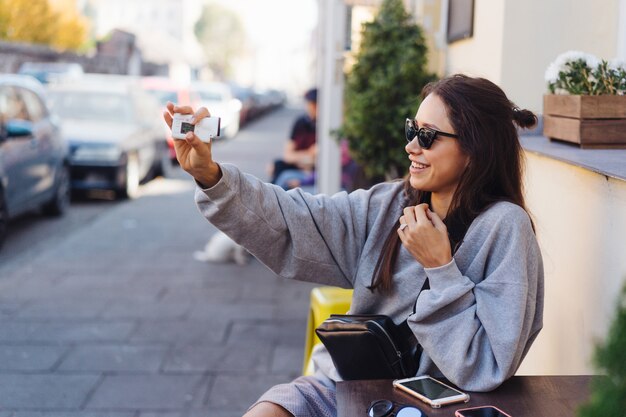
point(484, 411)
point(433, 392)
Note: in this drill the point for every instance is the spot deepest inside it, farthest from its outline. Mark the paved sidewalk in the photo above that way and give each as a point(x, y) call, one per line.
point(118, 320)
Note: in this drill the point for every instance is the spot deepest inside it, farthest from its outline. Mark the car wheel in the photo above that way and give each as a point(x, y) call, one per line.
point(130, 188)
point(59, 203)
point(4, 218)
point(163, 166)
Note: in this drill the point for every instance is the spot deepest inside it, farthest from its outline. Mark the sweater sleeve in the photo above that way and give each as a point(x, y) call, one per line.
point(477, 330)
point(313, 238)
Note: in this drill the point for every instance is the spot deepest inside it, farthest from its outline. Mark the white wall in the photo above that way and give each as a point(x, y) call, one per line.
point(514, 41)
point(580, 218)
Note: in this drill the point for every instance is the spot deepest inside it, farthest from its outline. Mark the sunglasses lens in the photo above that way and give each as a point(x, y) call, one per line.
point(380, 408)
point(409, 412)
point(409, 131)
point(425, 137)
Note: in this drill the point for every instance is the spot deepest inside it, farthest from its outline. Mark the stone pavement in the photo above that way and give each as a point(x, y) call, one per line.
point(117, 319)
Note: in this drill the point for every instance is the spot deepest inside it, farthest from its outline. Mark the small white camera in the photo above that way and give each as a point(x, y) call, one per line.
point(208, 128)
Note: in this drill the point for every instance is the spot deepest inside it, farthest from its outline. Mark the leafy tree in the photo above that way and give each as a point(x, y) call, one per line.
point(35, 21)
point(383, 89)
point(221, 34)
point(608, 393)
point(71, 32)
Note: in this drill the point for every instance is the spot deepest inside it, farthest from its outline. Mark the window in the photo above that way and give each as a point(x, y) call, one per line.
point(15, 106)
point(460, 20)
point(35, 107)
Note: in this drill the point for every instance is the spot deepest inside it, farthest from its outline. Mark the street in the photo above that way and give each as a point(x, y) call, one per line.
point(105, 312)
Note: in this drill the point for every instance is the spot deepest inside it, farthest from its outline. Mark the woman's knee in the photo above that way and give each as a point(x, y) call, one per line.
point(267, 409)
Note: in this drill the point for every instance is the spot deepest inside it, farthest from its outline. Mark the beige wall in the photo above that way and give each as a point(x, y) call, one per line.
point(481, 55)
point(514, 41)
point(580, 218)
point(536, 31)
point(428, 14)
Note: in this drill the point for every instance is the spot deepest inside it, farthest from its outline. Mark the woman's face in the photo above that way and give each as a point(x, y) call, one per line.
point(439, 168)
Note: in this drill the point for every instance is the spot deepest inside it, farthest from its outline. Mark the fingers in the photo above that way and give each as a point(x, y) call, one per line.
point(421, 214)
point(415, 214)
point(418, 217)
point(173, 108)
point(168, 118)
point(409, 215)
point(437, 222)
point(202, 148)
point(200, 114)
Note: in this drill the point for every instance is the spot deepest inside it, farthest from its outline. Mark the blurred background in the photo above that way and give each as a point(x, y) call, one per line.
point(105, 310)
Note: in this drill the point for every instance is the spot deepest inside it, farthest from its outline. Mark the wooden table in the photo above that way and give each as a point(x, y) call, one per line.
point(520, 396)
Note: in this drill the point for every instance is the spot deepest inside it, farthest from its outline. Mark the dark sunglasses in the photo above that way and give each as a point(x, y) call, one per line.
point(425, 135)
point(384, 408)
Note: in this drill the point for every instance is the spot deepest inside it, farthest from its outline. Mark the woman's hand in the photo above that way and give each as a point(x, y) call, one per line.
point(425, 236)
point(194, 156)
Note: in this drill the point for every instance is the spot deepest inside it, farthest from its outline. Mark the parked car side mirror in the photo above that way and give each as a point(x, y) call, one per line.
point(18, 128)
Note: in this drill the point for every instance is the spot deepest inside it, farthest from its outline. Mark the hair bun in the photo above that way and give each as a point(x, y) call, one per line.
point(524, 118)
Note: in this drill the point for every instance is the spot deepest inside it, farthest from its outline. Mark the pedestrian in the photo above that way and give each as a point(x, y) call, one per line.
point(458, 219)
point(299, 153)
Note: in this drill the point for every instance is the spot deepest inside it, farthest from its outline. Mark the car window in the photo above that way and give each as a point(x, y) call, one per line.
point(3, 110)
point(15, 107)
point(207, 95)
point(35, 107)
point(163, 96)
point(4, 101)
point(88, 105)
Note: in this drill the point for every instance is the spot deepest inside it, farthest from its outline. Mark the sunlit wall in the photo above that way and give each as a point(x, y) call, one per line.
point(580, 217)
point(514, 41)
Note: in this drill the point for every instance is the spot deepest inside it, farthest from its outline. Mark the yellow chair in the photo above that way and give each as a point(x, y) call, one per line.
point(324, 302)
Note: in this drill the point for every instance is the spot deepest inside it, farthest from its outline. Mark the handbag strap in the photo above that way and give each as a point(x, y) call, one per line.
point(406, 335)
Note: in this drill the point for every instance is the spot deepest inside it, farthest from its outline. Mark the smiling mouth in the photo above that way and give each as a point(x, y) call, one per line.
point(419, 165)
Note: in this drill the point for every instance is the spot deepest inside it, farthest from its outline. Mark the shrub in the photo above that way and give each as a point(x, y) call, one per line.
point(608, 393)
point(383, 89)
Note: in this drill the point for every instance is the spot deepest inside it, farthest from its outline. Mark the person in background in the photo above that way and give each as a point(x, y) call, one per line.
point(458, 221)
point(298, 161)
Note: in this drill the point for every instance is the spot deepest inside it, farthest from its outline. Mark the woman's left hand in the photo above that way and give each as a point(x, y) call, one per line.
point(425, 236)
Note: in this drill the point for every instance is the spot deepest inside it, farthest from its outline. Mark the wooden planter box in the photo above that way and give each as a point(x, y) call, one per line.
point(589, 121)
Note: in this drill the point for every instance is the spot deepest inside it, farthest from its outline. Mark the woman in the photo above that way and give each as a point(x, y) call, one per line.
point(458, 219)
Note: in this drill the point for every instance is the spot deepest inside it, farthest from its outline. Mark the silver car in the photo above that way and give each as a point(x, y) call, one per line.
point(33, 156)
point(114, 134)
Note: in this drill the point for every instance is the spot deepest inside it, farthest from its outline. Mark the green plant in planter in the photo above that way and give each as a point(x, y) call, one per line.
point(608, 394)
point(579, 73)
point(383, 89)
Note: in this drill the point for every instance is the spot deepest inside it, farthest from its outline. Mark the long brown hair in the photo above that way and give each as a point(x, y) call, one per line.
point(484, 120)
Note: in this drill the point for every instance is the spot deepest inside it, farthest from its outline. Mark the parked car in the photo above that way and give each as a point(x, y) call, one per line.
point(33, 155)
point(217, 97)
point(244, 95)
point(114, 133)
point(46, 72)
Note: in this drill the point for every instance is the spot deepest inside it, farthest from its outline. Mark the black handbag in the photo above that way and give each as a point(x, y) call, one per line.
point(370, 346)
point(367, 346)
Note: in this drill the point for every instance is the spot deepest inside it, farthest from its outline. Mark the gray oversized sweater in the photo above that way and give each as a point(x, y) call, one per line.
point(476, 322)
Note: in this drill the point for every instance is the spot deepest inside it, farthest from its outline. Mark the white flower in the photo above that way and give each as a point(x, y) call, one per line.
point(552, 73)
point(617, 64)
point(571, 56)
